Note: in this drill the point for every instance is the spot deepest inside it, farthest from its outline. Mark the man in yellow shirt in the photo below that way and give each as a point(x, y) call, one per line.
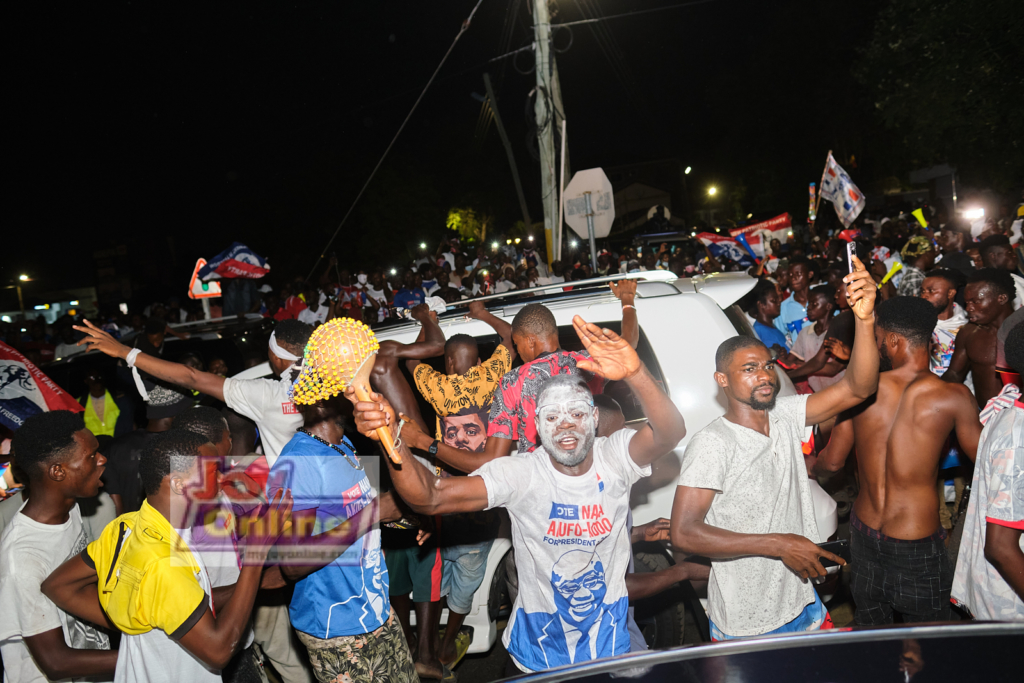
point(143, 576)
point(461, 397)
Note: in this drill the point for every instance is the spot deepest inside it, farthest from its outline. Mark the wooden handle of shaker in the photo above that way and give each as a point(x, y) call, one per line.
point(363, 394)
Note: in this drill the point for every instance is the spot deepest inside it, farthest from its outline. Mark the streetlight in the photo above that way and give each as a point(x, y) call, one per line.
point(494, 246)
point(530, 237)
point(508, 241)
point(572, 243)
point(518, 240)
point(394, 272)
point(687, 171)
point(423, 245)
point(23, 278)
point(712, 191)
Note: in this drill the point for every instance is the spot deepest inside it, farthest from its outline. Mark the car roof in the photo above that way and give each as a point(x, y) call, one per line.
point(723, 288)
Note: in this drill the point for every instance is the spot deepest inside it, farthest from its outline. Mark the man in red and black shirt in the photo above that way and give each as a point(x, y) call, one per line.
point(514, 403)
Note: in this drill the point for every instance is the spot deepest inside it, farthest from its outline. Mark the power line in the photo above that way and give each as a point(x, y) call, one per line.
point(463, 29)
point(630, 14)
point(524, 48)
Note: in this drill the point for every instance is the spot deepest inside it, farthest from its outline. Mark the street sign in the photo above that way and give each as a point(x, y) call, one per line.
point(602, 202)
point(197, 289)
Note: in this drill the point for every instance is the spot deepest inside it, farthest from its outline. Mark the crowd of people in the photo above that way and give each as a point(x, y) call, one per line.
point(909, 354)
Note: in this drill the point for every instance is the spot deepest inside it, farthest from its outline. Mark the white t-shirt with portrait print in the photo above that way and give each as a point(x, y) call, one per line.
point(572, 552)
point(761, 487)
point(29, 552)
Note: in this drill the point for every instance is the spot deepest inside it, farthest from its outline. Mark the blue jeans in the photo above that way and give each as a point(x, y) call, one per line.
point(464, 568)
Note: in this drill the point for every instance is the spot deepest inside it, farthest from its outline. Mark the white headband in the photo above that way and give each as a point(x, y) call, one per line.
point(276, 349)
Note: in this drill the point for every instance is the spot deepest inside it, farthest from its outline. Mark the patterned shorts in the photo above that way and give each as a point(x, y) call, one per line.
point(913, 578)
point(381, 656)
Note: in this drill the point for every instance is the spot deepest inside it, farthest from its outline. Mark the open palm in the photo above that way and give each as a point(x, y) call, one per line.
point(611, 356)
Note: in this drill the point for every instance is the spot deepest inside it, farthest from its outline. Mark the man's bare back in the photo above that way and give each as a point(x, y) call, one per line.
point(899, 435)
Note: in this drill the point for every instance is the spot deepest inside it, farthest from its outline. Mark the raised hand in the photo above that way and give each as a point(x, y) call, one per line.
point(861, 291)
point(624, 290)
point(419, 312)
point(476, 309)
point(611, 356)
point(96, 338)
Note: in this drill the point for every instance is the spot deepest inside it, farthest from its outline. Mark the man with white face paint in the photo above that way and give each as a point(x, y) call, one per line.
point(567, 500)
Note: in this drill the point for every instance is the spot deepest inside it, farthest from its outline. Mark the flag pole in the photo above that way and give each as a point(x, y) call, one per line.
point(817, 200)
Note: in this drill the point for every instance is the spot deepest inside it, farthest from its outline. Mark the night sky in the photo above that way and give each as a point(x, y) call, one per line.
point(178, 130)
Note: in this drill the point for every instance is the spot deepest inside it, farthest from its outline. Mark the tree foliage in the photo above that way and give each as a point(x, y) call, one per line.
point(948, 77)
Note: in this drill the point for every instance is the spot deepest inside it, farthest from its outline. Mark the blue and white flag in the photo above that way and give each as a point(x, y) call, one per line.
point(237, 261)
point(837, 188)
point(726, 247)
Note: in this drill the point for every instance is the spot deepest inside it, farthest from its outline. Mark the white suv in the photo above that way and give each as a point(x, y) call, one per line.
point(682, 322)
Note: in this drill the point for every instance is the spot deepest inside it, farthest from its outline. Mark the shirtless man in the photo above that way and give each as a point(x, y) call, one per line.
point(899, 558)
point(989, 298)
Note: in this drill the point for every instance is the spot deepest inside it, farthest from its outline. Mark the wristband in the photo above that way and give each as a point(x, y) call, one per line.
point(130, 360)
point(625, 306)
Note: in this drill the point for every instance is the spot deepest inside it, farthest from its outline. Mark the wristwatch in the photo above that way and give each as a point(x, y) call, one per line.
point(433, 447)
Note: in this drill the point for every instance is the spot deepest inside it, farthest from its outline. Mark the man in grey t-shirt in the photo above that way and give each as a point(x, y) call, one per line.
point(743, 498)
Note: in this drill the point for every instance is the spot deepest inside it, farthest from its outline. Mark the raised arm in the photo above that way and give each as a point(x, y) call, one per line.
point(861, 378)
point(478, 311)
point(611, 357)
point(175, 373)
point(411, 363)
point(691, 534)
point(464, 461)
point(625, 292)
point(419, 487)
point(431, 346)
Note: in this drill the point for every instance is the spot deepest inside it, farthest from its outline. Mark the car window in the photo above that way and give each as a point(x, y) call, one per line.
point(739, 321)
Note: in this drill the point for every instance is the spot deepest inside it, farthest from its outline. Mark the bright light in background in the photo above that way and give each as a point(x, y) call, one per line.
point(750, 215)
point(712, 190)
point(494, 245)
point(518, 240)
point(123, 308)
point(508, 241)
point(74, 303)
point(693, 234)
point(394, 272)
point(5, 318)
point(718, 230)
point(789, 234)
point(969, 214)
point(572, 244)
point(23, 278)
point(423, 245)
point(43, 307)
point(530, 238)
point(687, 171)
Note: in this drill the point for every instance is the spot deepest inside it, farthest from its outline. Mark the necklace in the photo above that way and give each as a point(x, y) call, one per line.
point(355, 465)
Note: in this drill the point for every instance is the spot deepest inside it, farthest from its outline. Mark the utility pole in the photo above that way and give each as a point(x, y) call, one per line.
point(548, 102)
point(493, 102)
